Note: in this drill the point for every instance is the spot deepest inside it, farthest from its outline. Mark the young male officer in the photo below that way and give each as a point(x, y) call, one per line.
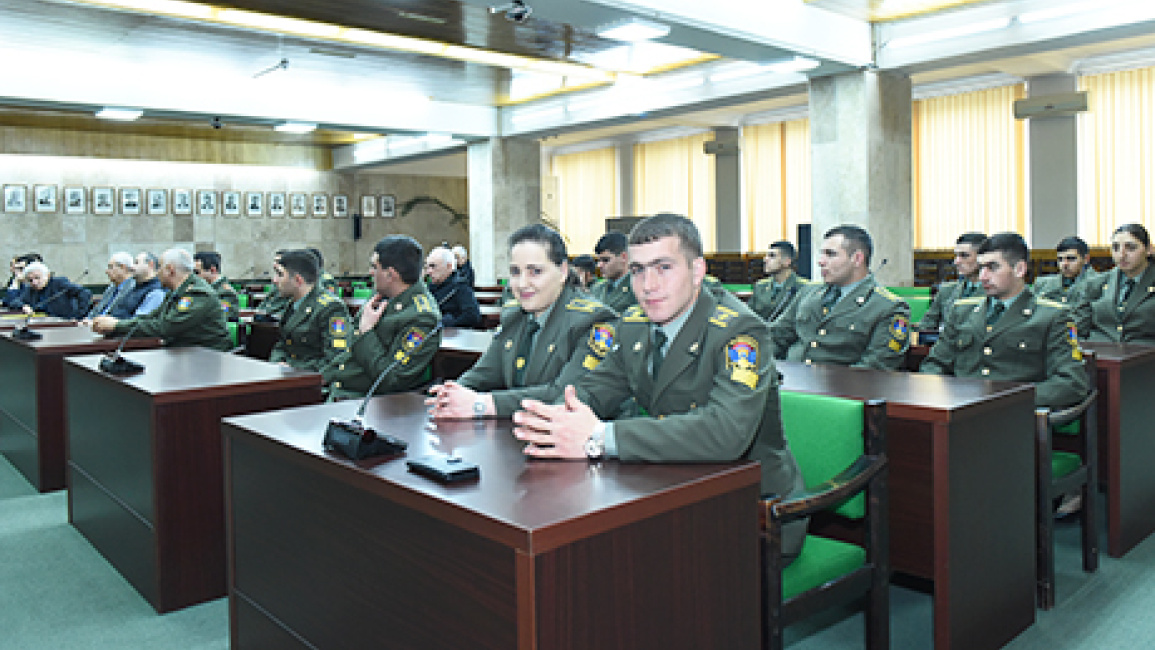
point(315, 327)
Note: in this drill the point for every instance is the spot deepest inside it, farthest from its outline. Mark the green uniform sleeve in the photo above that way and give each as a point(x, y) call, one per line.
point(336, 324)
point(783, 332)
point(887, 347)
point(934, 314)
point(1082, 311)
point(191, 311)
point(394, 339)
point(941, 359)
point(486, 374)
point(1067, 381)
point(760, 301)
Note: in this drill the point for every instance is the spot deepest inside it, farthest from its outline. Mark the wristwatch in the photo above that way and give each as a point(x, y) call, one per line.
point(596, 443)
point(478, 408)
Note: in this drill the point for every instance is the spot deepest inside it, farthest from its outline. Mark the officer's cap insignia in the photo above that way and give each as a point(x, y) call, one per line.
point(742, 361)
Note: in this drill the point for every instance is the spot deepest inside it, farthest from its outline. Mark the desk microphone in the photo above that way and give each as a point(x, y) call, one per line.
point(24, 333)
point(357, 441)
point(115, 364)
point(882, 264)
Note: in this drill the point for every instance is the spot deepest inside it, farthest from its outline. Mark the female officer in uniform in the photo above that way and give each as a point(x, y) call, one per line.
point(550, 335)
point(1119, 306)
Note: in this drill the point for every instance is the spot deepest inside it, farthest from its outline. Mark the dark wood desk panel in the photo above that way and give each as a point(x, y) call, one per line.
point(488, 297)
point(460, 349)
point(32, 398)
point(961, 492)
point(1126, 441)
point(329, 553)
point(490, 316)
point(146, 484)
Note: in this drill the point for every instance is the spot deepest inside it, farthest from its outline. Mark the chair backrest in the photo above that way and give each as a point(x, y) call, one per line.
point(362, 293)
point(358, 284)
point(826, 435)
point(906, 292)
point(233, 332)
point(243, 300)
point(918, 307)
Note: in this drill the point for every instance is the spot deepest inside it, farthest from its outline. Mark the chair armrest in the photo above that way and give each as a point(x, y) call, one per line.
point(1063, 416)
point(829, 494)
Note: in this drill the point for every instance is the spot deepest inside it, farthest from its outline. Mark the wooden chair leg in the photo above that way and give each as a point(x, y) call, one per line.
point(771, 594)
point(1090, 523)
point(1044, 515)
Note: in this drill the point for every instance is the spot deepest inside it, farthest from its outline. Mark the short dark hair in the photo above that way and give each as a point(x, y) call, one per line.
point(612, 242)
point(1010, 244)
point(786, 248)
point(320, 258)
point(1073, 243)
point(975, 239)
point(857, 239)
point(29, 258)
point(665, 224)
point(585, 263)
point(300, 262)
point(209, 260)
point(544, 235)
point(1135, 230)
point(404, 254)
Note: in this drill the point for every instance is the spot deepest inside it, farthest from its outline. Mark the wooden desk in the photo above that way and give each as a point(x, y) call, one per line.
point(488, 297)
point(1126, 444)
point(460, 349)
point(261, 339)
point(962, 492)
point(490, 316)
point(145, 477)
point(12, 321)
point(32, 398)
point(327, 553)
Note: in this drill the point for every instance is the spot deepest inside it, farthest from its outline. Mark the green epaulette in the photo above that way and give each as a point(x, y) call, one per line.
point(325, 299)
point(973, 300)
point(886, 293)
point(583, 305)
point(1049, 303)
point(512, 302)
point(635, 314)
point(722, 316)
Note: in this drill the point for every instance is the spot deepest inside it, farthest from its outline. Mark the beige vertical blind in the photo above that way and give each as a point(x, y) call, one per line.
point(776, 177)
point(677, 176)
point(587, 188)
point(1116, 153)
point(968, 167)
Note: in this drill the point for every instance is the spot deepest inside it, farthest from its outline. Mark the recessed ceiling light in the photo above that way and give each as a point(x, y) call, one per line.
point(119, 114)
point(633, 30)
point(296, 127)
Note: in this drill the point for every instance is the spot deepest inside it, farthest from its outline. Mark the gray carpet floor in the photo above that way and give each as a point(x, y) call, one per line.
point(57, 592)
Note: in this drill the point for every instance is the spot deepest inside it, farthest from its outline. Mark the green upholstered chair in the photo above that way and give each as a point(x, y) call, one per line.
point(1066, 462)
point(243, 300)
point(911, 292)
point(359, 284)
point(918, 306)
point(362, 293)
point(269, 288)
point(840, 444)
point(234, 333)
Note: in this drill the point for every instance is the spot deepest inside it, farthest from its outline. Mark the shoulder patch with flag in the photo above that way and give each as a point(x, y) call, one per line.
point(742, 361)
point(184, 304)
point(899, 330)
point(1073, 339)
point(601, 342)
point(339, 329)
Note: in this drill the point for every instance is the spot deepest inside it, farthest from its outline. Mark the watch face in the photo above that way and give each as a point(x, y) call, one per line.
point(593, 449)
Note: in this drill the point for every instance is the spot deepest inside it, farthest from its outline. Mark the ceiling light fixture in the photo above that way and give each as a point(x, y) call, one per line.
point(299, 128)
point(1058, 12)
point(633, 30)
point(119, 114)
point(950, 33)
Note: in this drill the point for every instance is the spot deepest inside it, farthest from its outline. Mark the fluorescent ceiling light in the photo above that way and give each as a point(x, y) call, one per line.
point(524, 85)
point(278, 23)
point(797, 64)
point(641, 57)
point(633, 30)
point(1061, 11)
point(119, 114)
point(296, 127)
point(167, 7)
point(394, 42)
point(969, 29)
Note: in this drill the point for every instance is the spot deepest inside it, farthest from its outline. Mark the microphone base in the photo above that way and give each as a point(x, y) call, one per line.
point(26, 334)
point(354, 440)
point(119, 366)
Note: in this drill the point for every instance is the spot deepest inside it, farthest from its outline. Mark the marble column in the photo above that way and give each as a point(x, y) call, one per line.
point(1053, 167)
point(625, 152)
point(727, 191)
point(861, 164)
point(504, 195)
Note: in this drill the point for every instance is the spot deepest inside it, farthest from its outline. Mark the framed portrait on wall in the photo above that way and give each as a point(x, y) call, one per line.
point(298, 204)
point(368, 206)
point(45, 196)
point(340, 206)
point(206, 203)
point(103, 200)
point(320, 205)
point(231, 204)
point(15, 198)
point(388, 206)
point(276, 204)
point(74, 200)
point(156, 202)
point(182, 202)
point(254, 204)
point(130, 201)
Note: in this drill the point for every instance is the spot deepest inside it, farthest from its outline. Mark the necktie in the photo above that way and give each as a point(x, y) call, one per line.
point(659, 350)
point(523, 349)
point(1125, 292)
point(830, 298)
point(1067, 282)
point(996, 312)
point(111, 301)
point(968, 290)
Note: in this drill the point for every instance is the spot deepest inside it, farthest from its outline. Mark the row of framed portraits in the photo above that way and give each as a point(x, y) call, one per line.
point(205, 203)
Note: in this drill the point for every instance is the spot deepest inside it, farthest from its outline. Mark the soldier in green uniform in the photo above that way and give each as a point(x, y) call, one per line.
point(774, 294)
point(1012, 334)
point(1119, 306)
point(695, 361)
point(274, 304)
point(325, 280)
point(190, 315)
point(850, 320)
point(208, 267)
point(551, 336)
point(315, 327)
point(1075, 273)
point(393, 327)
point(966, 263)
point(613, 259)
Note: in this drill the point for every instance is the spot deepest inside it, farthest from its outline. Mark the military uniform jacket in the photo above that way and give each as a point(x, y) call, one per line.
point(1034, 341)
point(189, 316)
point(328, 283)
point(573, 341)
point(230, 302)
point(274, 303)
point(867, 328)
point(618, 296)
point(948, 293)
point(1098, 317)
point(768, 300)
point(714, 400)
point(407, 322)
point(314, 333)
point(1051, 287)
